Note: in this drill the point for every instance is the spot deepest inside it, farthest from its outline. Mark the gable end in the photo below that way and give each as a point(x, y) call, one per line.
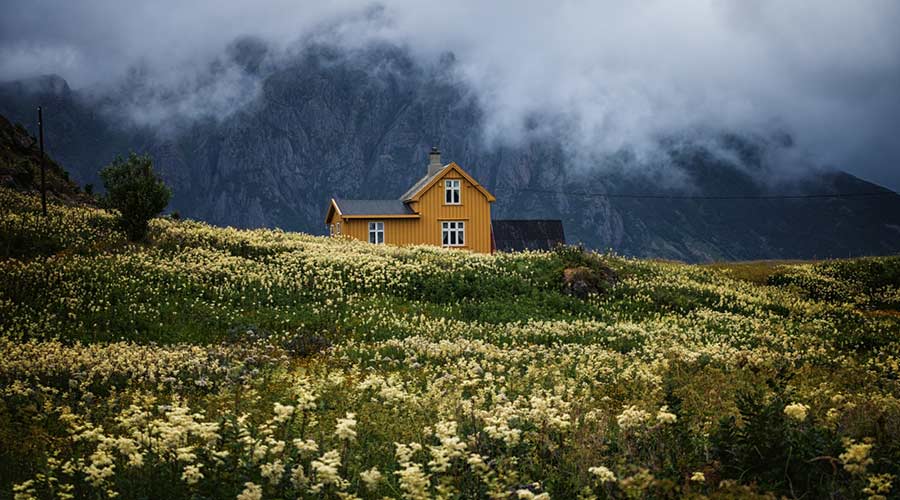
point(427, 183)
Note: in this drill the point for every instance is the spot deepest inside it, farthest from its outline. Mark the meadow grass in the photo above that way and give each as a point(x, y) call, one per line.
point(221, 363)
point(754, 271)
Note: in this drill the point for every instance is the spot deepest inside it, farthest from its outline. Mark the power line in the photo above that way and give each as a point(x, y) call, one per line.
point(714, 197)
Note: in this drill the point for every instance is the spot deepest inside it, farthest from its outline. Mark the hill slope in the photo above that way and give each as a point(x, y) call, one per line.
point(214, 362)
point(20, 166)
point(359, 125)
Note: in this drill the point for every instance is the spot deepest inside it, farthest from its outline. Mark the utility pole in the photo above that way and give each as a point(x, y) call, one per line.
point(43, 165)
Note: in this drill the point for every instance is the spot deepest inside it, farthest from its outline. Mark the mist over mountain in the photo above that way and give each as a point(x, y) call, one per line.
point(332, 122)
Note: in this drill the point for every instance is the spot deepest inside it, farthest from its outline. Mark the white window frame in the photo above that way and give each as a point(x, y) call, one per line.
point(331, 230)
point(337, 229)
point(452, 192)
point(376, 232)
point(453, 233)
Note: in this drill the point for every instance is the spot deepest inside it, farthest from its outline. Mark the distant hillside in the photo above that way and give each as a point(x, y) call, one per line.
point(331, 124)
point(20, 166)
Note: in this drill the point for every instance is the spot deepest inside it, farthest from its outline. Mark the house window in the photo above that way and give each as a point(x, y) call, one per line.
point(331, 229)
point(337, 228)
point(453, 233)
point(451, 192)
point(376, 233)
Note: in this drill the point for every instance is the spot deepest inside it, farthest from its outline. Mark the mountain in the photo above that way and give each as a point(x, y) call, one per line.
point(331, 123)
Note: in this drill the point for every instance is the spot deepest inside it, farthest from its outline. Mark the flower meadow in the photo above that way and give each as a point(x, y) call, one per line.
point(222, 363)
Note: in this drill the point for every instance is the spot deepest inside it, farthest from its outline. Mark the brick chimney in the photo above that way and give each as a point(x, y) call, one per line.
point(434, 160)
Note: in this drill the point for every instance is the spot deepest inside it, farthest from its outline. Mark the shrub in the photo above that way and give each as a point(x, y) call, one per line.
point(770, 448)
point(134, 189)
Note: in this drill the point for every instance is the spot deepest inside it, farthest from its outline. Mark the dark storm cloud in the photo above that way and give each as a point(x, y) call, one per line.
point(616, 73)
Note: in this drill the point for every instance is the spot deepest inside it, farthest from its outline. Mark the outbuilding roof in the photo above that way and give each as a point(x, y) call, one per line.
point(519, 235)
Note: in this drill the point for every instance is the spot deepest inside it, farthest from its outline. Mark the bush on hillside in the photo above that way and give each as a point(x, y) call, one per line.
point(134, 189)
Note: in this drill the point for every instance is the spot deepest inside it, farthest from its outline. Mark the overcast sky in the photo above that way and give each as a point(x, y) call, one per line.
point(828, 72)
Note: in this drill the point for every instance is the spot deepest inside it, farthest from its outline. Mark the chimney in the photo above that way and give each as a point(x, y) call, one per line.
point(434, 161)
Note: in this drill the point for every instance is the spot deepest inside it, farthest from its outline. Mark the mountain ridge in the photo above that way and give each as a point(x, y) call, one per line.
point(328, 124)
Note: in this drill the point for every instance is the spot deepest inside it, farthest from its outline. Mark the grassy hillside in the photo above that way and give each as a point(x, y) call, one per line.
point(220, 363)
point(20, 166)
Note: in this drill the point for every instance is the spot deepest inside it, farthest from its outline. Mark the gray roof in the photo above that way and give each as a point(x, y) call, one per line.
point(373, 207)
point(387, 207)
point(518, 235)
point(421, 183)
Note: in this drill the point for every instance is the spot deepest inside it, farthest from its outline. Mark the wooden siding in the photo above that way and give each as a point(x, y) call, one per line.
point(474, 209)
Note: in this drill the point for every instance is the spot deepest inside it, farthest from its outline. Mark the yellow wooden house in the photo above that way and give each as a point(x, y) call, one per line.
point(445, 208)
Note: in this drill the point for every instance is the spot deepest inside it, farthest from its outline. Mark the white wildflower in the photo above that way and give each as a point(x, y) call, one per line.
point(346, 427)
point(796, 411)
point(603, 474)
point(101, 468)
point(186, 454)
point(272, 471)
point(283, 413)
point(306, 447)
point(371, 478)
point(413, 482)
point(192, 474)
point(856, 457)
point(451, 446)
point(298, 477)
point(632, 418)
point(879, 486)
point(525, 494)
point(326, 471)
point(251, 492)
point(24, 491)
point(664, 416)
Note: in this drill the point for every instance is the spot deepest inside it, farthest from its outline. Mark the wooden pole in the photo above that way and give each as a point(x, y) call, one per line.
point(43, 164)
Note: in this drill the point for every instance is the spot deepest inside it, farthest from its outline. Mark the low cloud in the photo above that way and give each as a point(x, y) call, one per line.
point(614, 75)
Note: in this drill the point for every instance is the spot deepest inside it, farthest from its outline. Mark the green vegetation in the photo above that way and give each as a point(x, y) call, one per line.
point(208, 362)
point(756, 271)
point(136, 192)
point(20, 166)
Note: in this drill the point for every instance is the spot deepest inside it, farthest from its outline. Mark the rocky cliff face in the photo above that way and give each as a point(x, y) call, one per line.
point(329, 124)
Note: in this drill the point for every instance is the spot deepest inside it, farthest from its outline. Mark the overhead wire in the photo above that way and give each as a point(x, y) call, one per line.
point(655, 196)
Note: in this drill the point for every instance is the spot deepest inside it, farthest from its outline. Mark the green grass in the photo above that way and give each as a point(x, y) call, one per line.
point(507, 381)
point(754, 271)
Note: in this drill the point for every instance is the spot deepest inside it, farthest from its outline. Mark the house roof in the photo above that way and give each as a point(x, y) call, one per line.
point(369, 208)
point(518, 235)
point(380, 207)
point(399, 208)
point(421, 183)
point(426, 182)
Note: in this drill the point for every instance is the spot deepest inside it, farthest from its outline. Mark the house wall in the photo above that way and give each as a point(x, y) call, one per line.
point(335, 219)
point(396, 231)
point(474, 210)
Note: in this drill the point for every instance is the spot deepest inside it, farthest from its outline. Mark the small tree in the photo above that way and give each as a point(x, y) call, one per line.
point(134, 189)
